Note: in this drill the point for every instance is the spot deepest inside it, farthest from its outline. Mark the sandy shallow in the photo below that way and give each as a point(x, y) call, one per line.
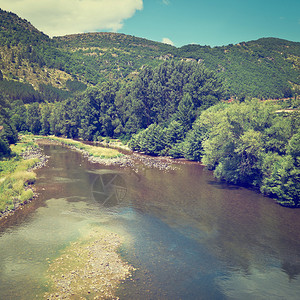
point(90, 268)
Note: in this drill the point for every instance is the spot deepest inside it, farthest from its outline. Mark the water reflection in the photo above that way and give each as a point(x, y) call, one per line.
point(292, 269)
point(248, 233)
point(109, 188)
point(269, 283)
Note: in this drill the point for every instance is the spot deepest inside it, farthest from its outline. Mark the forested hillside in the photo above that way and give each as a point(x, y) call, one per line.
point(266, 68)
point(111, 55)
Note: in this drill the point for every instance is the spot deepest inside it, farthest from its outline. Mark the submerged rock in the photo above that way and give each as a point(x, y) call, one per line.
point(90, 267)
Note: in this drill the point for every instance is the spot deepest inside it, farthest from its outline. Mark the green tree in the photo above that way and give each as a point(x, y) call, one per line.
point(4, 148)
point(56, 119)
point(242, 146)
point(18, 118)
point(234, 142)
point(175, 133)
point(151, 141)
point(45, 119)
point(293, 147)
point(33, 119)
point(185, 112)
point(8, 131)
point(282, 179)
point(192, 145)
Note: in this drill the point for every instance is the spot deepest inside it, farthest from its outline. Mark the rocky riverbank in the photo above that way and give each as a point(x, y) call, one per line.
point(19, 184)
point(131, 161)
point(134, 160)
point(121, 160)
point(35, 153)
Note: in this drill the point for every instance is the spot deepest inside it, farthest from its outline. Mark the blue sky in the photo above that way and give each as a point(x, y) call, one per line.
point(181, 22)
point(217, 22)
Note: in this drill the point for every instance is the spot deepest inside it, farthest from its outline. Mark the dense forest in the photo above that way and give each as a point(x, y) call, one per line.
point(173, 91)
point(160, 99)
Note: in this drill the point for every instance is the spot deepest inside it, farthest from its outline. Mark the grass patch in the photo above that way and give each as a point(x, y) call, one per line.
point(96, 151)
point(26, 195)
point(15, 177)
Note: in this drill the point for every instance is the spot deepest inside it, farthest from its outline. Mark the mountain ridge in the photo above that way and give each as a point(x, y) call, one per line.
point(263, 68)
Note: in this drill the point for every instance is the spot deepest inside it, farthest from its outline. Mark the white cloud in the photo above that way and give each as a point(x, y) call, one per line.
point(166, 2)
point(167, 41)
point(60, 17)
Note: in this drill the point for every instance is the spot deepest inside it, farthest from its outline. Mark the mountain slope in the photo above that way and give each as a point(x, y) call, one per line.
point(112, 55)
point(23, 66)
point(266, 68)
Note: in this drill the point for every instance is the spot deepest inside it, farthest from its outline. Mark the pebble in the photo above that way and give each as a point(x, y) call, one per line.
point(133, 160)
point(35, 152)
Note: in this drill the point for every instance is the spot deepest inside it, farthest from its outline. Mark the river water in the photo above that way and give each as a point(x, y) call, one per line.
point(188, 236)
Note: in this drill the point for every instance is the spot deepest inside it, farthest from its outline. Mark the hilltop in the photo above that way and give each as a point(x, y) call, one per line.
point(35, 67)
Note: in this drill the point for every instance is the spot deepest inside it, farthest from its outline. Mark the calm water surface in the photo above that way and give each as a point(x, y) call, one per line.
point(189, 236)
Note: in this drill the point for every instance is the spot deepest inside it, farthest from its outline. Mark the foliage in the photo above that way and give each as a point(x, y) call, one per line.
point(150, 141)
point(241, 146)
point(15, 30)
point(8, 133)
point(172, 91)
point(282, 178)
point(255, 69)
point(117, 108)
point(52, 94)
point(15, 177)
point(4, 148)
point(19, 91)
point(75, 86)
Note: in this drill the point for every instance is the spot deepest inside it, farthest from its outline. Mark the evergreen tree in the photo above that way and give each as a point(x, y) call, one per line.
point(192, 147)
point(185, 112)
point(4, 147)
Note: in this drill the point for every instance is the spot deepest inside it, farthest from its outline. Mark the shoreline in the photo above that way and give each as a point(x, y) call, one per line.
point(120, 160)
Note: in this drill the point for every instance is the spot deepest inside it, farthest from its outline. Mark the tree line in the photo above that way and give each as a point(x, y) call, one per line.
point(121, 108)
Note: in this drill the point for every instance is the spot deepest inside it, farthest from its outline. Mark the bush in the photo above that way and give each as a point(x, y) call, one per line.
point(4, 148)
point(26, 195)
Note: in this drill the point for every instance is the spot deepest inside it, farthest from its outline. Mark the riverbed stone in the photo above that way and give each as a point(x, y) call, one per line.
point(99, 268)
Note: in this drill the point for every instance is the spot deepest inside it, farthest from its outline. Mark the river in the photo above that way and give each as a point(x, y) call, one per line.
point(188, 235)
